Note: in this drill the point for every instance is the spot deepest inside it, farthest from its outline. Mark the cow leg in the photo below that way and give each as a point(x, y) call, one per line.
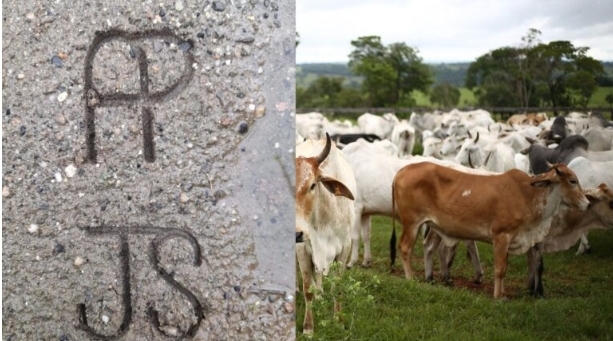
point(584, 245)
point(473, 254)
point(447, 254)
point(535, 271)
point(306, 269)
point(431, 242)
point(366, 228)
point(407, 242)
point(501, 249)
point(355, 238)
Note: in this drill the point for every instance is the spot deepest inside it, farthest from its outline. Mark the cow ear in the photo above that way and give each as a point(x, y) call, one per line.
point(336, 187)
point(541, 183)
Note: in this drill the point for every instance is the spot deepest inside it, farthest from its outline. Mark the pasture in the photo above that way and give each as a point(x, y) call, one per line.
point(379, 305)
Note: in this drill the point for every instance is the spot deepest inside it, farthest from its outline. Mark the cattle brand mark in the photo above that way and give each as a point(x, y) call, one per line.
point(94, 99)
point(161, 235)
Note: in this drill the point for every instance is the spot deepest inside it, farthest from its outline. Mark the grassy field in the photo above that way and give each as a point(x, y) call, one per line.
point(379, 305)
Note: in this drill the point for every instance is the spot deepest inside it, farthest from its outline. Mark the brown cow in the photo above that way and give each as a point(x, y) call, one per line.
point(513, 211)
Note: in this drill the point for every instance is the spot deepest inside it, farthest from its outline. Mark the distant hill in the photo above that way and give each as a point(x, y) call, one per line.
point(454, 73)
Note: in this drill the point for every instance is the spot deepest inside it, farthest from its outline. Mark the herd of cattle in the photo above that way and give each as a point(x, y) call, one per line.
point(529, 185)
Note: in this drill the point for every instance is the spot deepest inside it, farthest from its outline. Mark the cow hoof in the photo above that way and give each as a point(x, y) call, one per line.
point(477, 281)
point(429, 279)
point(366, 264)
point(308, 331)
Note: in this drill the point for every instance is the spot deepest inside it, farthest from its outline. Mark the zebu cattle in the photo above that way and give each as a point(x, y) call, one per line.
point(378, 125)
point(557, 132)
point(374, 173)
point(311, 125)
point(513, 211)
point(325, 186)
point(590, 175)
point(598, 138)
point(423, 122)
point(567, 227)
point(403, 136)
point(345, 139)
point(533, 119)
point(570, 148)
point(495, 156)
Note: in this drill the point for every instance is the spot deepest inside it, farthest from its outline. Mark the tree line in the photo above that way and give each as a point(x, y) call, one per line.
point(532, 74)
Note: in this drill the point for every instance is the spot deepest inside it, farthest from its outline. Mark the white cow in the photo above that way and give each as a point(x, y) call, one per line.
point(378, 125)
point(494, 156)
point(311, 125)
point(403, 136)
point(590, 175)
point(325, 213)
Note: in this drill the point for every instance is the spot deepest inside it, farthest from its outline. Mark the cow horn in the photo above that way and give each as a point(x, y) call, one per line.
point(324, 153)
point(470, 162)
point(470, 136)
point(477, 137)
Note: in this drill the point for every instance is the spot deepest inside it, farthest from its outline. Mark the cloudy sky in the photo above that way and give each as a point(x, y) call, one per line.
point(450, 30)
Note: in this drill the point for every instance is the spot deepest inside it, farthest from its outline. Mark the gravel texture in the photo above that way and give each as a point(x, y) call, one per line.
point(147, 170)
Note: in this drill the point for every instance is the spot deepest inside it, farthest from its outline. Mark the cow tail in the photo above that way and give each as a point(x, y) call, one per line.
point(393, 238)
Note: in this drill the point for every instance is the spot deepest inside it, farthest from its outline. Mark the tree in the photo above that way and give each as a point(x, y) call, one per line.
point(560, 61)
point(445, 95)
point(322, 93)
point(557, 72)
point(390, 73)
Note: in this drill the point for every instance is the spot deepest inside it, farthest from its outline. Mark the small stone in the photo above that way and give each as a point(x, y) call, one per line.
point(183, 198)
point(57, 61)
point(30, 16)
point(79, 261)
point(243, 128)
point(21, 76)
point(218, 6)
point(178, 6)
point(62, 97)
point(60, 119)
point(260, 69)
point(157, 45)
point(5, 192)
point(260, 111)
point(247, 40)
point(200, 35)
point(58, 177)
point(185, 46)
point(22, 130)
point(251, 107)
point(289, 307)
point(33, 228)
point(70, 171)
point(58, 248)
point(162, 12)
point(105, 319)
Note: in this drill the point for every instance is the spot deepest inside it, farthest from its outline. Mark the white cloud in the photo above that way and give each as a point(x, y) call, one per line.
point(449, 30)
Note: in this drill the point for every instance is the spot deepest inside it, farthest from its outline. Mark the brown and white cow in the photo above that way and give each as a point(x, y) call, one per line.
point(513, 211)
point(567, 228)
point(324, 214)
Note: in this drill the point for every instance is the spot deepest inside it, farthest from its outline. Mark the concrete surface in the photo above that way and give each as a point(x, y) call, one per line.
point(147, 189)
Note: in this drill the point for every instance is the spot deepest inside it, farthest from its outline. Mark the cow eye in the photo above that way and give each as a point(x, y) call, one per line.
point(611, 204)
point(573, 182)
point(313, 186)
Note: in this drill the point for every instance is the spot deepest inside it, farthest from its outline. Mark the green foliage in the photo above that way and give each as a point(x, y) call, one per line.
point(556, 73)
point(445, 95)
point(390, 72)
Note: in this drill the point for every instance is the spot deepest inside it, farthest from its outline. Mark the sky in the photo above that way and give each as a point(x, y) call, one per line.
point(445, 31)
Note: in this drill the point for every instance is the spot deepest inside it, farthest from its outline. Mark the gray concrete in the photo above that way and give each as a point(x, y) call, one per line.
point(147, 189)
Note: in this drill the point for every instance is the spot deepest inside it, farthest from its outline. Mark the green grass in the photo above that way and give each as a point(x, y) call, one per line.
point(578, 303)
point(467, 98)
